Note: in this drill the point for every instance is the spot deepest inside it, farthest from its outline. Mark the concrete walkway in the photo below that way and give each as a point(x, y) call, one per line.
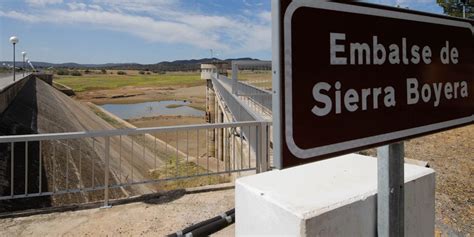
point(256, 107)
point(7, 80)
point(158, 215)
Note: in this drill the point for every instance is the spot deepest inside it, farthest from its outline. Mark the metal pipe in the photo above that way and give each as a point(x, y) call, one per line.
point(209, 226)
point(118, 132)
point(390, 186)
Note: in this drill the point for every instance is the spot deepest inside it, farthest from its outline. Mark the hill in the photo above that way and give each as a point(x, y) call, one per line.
point(178, 65)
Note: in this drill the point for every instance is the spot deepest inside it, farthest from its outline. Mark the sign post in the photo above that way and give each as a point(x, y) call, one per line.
point(390, 194)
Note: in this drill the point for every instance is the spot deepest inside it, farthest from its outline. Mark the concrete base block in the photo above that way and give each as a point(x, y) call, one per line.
point(335, 197)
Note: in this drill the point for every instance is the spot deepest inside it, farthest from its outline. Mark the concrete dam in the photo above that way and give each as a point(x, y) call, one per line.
point(38, 108)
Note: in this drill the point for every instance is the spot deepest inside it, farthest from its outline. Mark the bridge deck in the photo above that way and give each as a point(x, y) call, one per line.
point(256, 107)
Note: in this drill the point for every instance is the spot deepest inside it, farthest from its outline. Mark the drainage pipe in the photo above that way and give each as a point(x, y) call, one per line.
point(207, 227)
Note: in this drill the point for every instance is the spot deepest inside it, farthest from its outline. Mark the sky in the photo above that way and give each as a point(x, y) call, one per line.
point(144, 31)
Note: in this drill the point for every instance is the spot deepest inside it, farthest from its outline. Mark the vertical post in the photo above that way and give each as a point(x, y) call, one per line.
point(24, 65)
point(263, 146)
point(26, 168)
point(390, 185)
point(258, 148)
point(12, 169)
point(276, 87)
point(14, 72)
point(235, 71)
point(464, 10)
point(107, 170)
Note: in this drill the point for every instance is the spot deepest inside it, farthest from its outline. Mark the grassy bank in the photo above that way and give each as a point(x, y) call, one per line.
point(88, 82)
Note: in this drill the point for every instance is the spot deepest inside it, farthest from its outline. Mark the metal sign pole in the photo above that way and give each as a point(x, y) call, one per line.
point(390, 185)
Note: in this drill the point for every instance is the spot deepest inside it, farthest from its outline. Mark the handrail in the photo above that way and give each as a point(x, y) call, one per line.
point(119, 132)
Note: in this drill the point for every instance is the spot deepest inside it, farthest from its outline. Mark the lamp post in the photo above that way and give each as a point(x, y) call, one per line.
point(24, 66)
point(14, 40)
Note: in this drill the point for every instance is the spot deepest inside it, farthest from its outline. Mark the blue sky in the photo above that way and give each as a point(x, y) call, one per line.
point(144, 31)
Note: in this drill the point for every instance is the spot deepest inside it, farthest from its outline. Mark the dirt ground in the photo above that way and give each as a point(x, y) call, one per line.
point(157, 216)
point(451, 155)
point(129, 95)
point(188, 141)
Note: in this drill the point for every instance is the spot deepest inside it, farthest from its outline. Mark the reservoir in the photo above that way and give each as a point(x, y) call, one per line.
point(153, 109)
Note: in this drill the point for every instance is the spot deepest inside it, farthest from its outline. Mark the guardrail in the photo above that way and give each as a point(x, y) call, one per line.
point(81, 162)
point(240, 110)
point(257, 95)
point(260, 100)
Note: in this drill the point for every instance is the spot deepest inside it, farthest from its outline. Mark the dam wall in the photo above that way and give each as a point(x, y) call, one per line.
point(9, 90)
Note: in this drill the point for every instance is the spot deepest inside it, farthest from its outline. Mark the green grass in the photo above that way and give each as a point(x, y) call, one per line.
point(113, 81)
point(183, 168)
point(107, 118)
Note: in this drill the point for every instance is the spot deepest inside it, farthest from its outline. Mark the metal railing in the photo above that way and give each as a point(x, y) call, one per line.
point(240, 110)
point(116, 163)
point(257, 95)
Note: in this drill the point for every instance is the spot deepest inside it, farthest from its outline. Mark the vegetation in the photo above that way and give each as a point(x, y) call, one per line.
point(141, 72)
point(455, 7)
point(76, 73)
point(121, 73)
point(108, 81)
point(175, 168)
point(62, 72)
point(106, 117)
point(103, 71)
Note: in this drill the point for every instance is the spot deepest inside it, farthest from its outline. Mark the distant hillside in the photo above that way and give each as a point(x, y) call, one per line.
point(178, 65)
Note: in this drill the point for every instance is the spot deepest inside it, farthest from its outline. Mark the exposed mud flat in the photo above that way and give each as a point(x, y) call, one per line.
point(131, 95)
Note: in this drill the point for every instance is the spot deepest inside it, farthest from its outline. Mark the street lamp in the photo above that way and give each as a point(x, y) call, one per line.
point(14, 40)
point(24, 66)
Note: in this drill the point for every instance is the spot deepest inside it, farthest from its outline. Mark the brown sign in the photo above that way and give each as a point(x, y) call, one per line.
point(358, 76)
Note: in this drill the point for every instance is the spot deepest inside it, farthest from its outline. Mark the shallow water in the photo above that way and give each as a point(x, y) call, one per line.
point(152, 109)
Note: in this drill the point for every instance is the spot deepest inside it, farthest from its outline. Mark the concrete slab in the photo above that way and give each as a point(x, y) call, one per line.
point(335, 197)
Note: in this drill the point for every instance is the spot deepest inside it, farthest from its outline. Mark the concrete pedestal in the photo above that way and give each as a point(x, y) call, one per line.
point(335, 197)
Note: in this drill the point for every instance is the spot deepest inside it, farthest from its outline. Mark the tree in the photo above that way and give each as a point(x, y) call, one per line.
point(121, 73)
point(455, 7)
point(103, 71)
point(62, 72)
point(76, 73)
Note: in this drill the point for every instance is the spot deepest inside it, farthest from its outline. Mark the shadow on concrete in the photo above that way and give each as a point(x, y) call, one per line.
point(153, 199)
point(18, 119)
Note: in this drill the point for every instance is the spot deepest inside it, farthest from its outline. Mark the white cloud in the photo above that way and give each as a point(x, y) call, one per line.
point(77, 6)
point(42, 2)
point(265, 16)
point(162, 21)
